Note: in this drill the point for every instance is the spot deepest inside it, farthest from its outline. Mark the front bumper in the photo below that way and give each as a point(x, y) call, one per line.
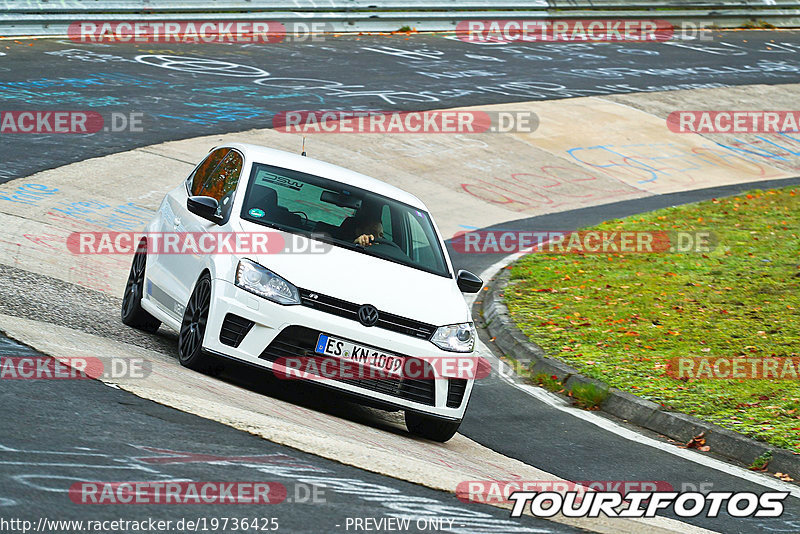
point(278, 330)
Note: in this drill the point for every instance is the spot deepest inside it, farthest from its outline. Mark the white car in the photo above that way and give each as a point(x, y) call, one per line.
point(382, 287)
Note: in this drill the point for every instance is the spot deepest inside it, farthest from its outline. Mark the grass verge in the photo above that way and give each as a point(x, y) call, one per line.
point(620, 318)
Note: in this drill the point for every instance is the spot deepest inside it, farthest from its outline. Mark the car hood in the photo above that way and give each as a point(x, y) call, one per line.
point(363, 279)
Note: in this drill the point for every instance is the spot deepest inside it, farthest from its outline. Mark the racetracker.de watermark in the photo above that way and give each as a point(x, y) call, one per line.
point(180, 493)
point(74, 368)
point(194, 243)
point(367, 365)
point(406, 122)
point(68, 122)
point(733, 121)
point(197, 31)
point(734, 368)
point(582, 242)
point(498, 491)
point(585, 30)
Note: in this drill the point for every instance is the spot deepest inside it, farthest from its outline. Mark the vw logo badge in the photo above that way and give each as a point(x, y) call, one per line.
point(368, 315)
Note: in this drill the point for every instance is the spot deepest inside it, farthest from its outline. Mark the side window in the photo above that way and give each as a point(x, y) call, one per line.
point(221, 184)
point(386, 221)
point(421, 250)
point(204, 170)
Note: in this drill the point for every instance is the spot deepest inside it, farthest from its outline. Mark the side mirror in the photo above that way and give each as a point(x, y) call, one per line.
point(205, 207)
point(468, 282)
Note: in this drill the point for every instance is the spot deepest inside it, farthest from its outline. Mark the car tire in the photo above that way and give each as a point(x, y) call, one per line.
point(132, 313)
point(431, 428)
point(193, 328)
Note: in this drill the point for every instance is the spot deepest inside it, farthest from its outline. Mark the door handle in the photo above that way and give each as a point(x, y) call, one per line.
point(177, 222)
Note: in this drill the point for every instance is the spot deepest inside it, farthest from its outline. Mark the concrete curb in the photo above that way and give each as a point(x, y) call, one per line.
point(510, 340)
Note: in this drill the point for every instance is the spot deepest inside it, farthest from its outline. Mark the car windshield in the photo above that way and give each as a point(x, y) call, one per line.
point(342, 215)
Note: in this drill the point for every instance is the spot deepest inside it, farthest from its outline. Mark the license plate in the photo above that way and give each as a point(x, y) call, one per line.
point(383, 363)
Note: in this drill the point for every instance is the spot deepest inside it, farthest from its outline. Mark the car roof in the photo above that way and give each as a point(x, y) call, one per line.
point(296, 162)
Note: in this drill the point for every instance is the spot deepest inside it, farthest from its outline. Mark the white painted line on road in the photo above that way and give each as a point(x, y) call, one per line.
point(560, 404)
point(87, 466)
point(4, 448)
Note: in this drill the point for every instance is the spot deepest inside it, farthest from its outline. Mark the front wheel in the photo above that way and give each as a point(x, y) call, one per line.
point(132, 312)
point(431, 428)
point(193, 327)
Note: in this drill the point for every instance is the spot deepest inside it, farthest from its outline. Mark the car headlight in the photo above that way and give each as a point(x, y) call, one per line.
point(254, 278)
point(455, 337)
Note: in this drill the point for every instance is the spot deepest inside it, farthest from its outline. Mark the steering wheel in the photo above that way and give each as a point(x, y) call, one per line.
point(303, 214)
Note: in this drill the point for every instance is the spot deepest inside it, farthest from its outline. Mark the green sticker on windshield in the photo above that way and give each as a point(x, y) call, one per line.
point(257, 213)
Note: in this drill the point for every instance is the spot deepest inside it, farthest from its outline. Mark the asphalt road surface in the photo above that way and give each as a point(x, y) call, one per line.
point(62, 415)
point(172, 91)
point(83, 429)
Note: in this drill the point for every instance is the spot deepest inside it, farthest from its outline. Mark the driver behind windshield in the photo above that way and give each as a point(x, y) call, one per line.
point(364, 227)
point(368, 232)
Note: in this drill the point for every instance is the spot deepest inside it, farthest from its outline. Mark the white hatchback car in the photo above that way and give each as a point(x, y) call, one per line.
point(383, 289)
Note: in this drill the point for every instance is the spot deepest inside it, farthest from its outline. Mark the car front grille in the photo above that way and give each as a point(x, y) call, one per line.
point(349, 310)
point(233, 330)
point(456, 387)
point(294, 341)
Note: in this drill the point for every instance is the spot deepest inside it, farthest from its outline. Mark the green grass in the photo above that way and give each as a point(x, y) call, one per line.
point(754, 24)
point(588, 396)
point(550, 383)
point(620, 318)
point(761, 463)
